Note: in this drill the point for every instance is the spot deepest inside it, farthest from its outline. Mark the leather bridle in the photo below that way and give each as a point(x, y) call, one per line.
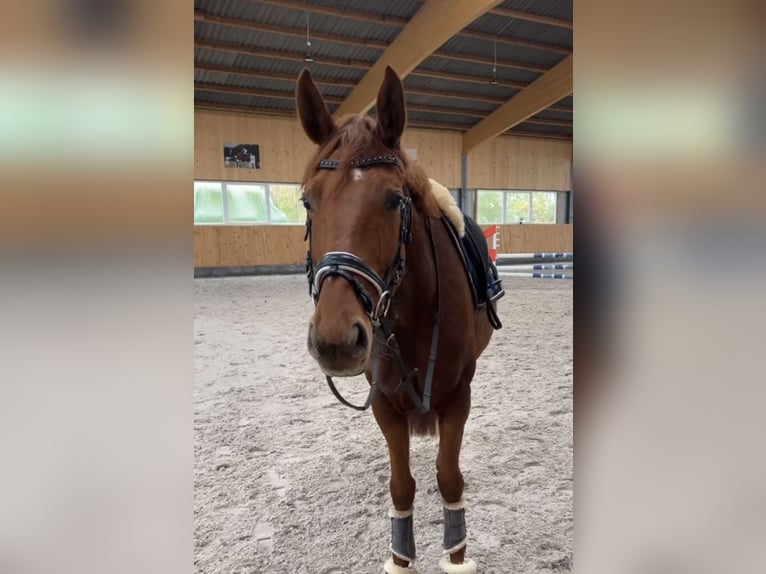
point(352, 268)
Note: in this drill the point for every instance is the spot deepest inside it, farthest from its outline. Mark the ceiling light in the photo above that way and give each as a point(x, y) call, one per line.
point(493, 81)
point(308, 58)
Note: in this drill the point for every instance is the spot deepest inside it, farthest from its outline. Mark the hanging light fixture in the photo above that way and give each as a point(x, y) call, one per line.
point(493, 81)
point(308, 58)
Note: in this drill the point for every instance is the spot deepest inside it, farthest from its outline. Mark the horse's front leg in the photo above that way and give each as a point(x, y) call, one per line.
point(450, 481)
point(402, 486)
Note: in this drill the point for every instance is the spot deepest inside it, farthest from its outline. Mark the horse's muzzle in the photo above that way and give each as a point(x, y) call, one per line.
point(340, 352)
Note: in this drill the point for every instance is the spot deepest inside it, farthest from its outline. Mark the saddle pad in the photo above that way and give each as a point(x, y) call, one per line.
point(481, 272)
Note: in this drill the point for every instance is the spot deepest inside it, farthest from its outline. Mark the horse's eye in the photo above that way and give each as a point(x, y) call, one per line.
point(306, 204)
point(394, 202)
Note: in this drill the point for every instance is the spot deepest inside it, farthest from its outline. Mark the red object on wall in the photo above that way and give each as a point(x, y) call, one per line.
point(491, 232)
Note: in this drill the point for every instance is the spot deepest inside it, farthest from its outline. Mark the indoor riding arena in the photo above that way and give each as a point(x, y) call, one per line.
point(288, 480)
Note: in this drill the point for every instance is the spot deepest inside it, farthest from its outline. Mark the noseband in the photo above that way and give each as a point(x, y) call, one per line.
point(352, 268)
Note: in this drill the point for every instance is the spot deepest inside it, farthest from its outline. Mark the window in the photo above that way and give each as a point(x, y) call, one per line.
point(544, 207)
point(490, 207)
point(516, 207)
point(208, 202)
point(506, 206)
point(286, 206)
point(247, 203)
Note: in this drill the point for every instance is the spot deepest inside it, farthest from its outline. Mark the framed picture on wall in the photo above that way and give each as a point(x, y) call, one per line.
point(243, 156)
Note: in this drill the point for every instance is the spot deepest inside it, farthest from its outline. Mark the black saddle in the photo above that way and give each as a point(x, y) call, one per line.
point(481, 273)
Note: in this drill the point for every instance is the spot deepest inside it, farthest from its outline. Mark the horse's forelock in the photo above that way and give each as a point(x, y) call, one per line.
point(356, 137)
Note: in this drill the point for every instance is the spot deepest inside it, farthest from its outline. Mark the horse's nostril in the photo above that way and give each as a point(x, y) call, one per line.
point(361, 337)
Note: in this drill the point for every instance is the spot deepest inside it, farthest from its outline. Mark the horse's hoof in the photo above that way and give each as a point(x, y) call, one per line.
point(390, 568)
point(467, 567)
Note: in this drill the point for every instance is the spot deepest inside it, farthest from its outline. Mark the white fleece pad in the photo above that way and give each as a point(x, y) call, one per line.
point(391, 568)
point(467, 567)
point(448, 206)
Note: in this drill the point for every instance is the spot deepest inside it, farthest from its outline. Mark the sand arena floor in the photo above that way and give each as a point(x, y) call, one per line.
point(288, 481)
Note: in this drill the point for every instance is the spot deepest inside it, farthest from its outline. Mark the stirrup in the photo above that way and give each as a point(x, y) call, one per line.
point(495, 290)
point(494, 320)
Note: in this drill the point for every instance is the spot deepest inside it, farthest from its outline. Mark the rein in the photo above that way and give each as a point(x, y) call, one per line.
point(352, 268)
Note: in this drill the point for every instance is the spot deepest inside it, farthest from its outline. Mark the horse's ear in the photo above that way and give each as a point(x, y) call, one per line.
point(315, 118)
point(391, 109)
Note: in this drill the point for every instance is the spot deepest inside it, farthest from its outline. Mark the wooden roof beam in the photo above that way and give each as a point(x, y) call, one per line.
point(519, 15)
point(244, 109)
point(279, 54)
point(539, 95)
point(541, 135)
point(548, 122)
point(535, 45)
point(428, 29)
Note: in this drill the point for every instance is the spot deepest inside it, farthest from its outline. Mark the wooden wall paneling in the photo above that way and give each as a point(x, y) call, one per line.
point(438, 154)
point(285, 150)
point(509, 162)
point(287, 241)
point(505, 162)
point(229, 245)
point(531, 238)
point(241, 245)
point(206, 252)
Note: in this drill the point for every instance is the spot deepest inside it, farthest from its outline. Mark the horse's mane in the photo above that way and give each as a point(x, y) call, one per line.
point(357, 137)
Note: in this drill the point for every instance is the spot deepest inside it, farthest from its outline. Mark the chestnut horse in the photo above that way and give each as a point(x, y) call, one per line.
point(392, 300)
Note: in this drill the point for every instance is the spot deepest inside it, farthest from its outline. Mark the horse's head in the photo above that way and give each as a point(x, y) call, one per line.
point(358, 192)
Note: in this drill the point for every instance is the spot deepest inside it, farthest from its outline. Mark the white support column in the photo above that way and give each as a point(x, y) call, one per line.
point(225, 197)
